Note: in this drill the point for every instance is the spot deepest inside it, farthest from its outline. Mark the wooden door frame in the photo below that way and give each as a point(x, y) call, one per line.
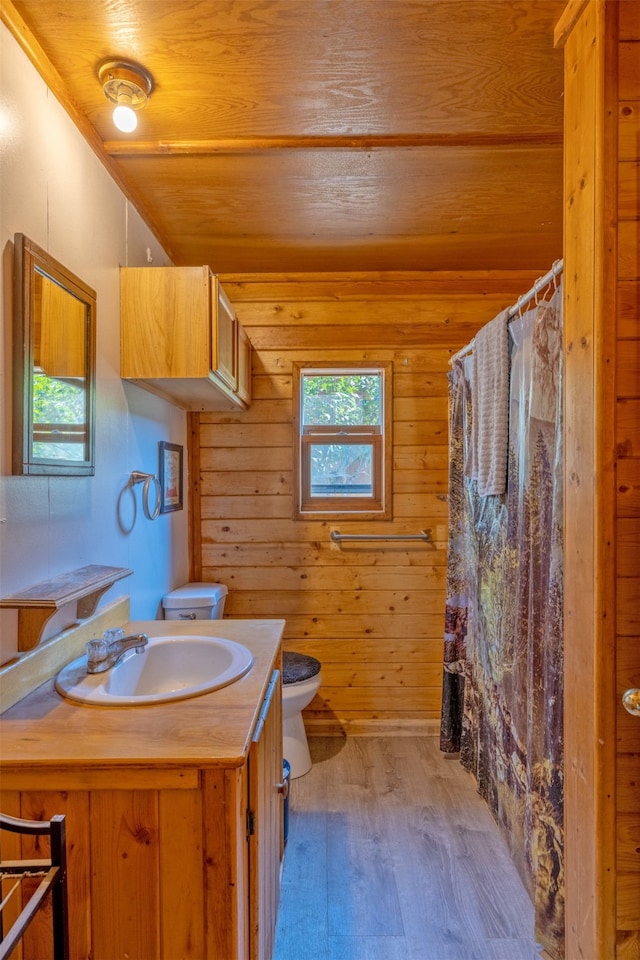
point(588, 32)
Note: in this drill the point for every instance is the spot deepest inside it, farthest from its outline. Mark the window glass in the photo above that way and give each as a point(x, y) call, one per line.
point(339, 470)
point(348, 400)
point(342, 418)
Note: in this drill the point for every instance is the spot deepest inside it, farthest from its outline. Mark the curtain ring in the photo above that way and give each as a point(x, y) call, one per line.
point(151, 515)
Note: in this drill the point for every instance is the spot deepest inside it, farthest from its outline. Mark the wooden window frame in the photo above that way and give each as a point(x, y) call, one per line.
point(376, 507)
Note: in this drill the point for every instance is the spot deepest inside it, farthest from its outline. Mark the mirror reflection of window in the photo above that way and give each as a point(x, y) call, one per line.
point(54, 366)
point(59, 394)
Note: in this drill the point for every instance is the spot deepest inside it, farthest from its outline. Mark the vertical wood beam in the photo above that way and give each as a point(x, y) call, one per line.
point(589, 383)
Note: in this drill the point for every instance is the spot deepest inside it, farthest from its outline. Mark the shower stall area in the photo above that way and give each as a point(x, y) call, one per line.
point(503, 670)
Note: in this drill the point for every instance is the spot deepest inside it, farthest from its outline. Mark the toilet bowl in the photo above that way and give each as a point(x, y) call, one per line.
point(301, 679)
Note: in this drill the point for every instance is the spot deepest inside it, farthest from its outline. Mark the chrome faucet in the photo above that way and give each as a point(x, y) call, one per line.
point(102, 654)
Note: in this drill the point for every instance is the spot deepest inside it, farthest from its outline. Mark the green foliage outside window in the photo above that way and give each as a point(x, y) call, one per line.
point(353, 400)
point(58, 403)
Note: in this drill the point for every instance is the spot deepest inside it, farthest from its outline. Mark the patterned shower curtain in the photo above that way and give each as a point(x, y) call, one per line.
point(502, 685)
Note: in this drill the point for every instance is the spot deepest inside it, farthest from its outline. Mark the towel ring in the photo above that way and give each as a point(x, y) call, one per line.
point(138, 477)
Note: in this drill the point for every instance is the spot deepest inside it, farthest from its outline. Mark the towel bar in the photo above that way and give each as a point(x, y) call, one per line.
point(424, 535)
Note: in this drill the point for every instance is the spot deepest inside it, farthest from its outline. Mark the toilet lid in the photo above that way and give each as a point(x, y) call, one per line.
point(298, 666)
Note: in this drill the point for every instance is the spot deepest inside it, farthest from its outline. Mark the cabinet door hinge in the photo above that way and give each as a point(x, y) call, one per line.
point(251, 823)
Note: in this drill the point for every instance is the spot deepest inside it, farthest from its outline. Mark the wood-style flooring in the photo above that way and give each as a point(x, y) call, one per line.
point(392, 855)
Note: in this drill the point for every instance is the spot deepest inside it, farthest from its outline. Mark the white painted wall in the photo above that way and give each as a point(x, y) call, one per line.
point(54, 189)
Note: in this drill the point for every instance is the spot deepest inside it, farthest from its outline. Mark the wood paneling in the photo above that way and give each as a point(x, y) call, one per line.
point(629, 307)
point(136, 864)
point(282, 137)
point(628, 369)
point(628, 480)
point(628, 773)
point(628, 555)
point(74, 805)
point(372, 613)
point(125, 847)
point(180, 821)
point(225, 871)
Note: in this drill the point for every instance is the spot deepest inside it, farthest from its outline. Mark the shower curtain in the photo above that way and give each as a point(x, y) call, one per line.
point(503, 652)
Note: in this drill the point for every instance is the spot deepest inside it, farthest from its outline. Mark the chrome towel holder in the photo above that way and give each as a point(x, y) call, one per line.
point(139, 477)
point(424, 535)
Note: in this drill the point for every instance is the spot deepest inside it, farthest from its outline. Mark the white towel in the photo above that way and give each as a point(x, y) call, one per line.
point(490, 390)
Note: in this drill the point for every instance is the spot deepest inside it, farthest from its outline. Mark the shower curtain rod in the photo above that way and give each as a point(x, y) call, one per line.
point(513, 311)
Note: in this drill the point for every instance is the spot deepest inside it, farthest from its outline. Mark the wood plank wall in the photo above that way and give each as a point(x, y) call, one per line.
point(628, 477)
point(372, 614)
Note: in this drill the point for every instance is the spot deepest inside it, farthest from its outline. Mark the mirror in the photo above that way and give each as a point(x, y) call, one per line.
point(54, 366)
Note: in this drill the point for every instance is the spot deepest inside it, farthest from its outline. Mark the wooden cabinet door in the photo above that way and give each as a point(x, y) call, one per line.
point(224, 336)
point(266, 822)
point(164, 322)
point(244, 365)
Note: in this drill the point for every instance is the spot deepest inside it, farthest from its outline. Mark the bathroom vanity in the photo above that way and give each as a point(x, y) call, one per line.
point(173, 810)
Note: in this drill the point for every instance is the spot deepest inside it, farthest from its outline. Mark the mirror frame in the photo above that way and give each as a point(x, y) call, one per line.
point(30, 259)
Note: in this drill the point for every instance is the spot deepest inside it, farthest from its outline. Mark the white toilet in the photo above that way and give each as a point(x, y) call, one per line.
point(301, 676)
point(301, 679)
point(195, 601)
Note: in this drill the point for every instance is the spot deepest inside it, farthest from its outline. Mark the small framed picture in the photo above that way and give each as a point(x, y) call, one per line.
point(170, 477)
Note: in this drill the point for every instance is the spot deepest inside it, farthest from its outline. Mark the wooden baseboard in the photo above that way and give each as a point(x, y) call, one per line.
point(335, 727)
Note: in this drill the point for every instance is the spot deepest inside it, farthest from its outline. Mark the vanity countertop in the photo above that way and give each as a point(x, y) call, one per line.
point(45, 731)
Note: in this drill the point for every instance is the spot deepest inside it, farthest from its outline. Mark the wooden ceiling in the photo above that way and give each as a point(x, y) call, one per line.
point(325, 135)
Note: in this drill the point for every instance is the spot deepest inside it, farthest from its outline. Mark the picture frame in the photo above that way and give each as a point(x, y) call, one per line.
point(170, 475)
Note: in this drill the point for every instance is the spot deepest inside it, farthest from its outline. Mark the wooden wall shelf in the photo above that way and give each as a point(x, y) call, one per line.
point(39, 603)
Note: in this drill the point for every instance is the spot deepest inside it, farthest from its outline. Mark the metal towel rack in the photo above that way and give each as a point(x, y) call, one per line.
point(424, 535)
point(52, 874)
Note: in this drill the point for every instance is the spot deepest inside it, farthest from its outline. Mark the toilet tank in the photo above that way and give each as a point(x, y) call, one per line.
point(195, 601)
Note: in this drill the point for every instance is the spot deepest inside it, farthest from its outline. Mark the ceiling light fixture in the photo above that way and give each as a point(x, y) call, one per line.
point(129, 86)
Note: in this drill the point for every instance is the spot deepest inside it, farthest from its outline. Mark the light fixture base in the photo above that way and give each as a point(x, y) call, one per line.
point(116, 74)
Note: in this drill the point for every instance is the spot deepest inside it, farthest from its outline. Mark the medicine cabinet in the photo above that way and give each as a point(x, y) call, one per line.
point(54, 349)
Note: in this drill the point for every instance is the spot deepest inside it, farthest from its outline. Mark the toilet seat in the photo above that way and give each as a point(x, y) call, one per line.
point(298, 666)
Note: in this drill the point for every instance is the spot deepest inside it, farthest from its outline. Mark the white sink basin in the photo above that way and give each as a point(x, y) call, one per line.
point(169, 668)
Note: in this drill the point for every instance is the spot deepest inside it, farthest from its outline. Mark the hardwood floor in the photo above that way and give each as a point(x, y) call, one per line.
point(392, 855)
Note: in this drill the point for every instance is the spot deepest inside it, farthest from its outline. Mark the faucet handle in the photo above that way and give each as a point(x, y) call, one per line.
point(96, 650)
point(113, 633)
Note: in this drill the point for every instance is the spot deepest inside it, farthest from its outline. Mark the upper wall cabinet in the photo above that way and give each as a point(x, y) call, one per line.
point(180, 338)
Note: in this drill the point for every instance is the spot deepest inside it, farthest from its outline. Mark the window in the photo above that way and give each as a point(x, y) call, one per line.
point(343, 420)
